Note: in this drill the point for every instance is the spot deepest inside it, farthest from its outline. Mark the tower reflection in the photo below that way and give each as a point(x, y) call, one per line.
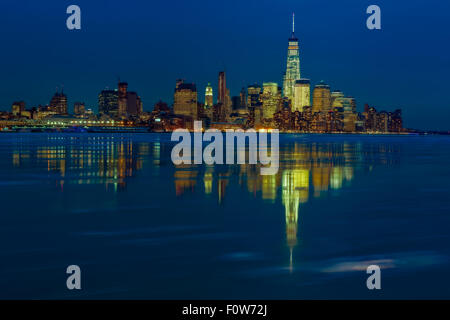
point(307, 170)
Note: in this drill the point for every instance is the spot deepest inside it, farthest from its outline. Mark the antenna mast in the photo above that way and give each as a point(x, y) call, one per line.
point(293, 22)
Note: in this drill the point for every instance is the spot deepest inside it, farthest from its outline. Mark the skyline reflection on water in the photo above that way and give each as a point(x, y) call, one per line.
point(74, 168)
point(304, 168)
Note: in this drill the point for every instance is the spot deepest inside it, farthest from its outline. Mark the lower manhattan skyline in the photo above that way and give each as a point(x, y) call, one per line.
point(158, 45)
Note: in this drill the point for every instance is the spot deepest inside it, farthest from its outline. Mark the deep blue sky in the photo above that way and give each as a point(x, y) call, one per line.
point(149, 44)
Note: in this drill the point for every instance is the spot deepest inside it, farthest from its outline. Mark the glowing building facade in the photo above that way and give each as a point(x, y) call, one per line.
point(18, 107)
point(185, 99)
point(292, 73)
point(58, 104)
point(321, 98)
point(108, 102)
point(209, 100)
point(271, 99)
point(79, 108)
point(301, 95)
point(122, 98)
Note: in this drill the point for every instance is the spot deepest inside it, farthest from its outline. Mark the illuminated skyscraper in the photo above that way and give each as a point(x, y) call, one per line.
point(222, 87)
point(209, 101)
point(253, 95)
point(271, 99)
point(292, 67)
point(321, 98)
point(108, 102)
point(301, 95)
point(122, 98)
point(78, 108)
point(223, 97)
point(335, 96)
point(185, 99)
point(254, 104)
point(58, 103)
point(243, 98)
point(18, 107)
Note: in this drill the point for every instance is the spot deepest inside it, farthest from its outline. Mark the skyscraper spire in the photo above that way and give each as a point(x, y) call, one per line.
point(292, 73)
point(293, 22)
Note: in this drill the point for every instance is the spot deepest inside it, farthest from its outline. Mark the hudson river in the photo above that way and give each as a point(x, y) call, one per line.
point(140, 227)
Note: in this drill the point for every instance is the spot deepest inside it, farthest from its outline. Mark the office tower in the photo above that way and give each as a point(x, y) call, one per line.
point(108, 102)
point(254, 104)
point(349, 113)
point(223, 98)
point(58, 103)
point(301, 95)
point(395, 121)
point(185, 99)
point(350, 105)
point(18, 107)
point(222, 88)
point(292, 73)
point(209, 100)
point(370, 115)
point(353, 104)
point(78, 108)
point(243, 98)
point(338, 101)
point(122, 98)
point(253, 96)
point(271, 99)
point(382, 124)
point(335, 95)
point(235, 103)
point(321, 98)
point(134, 104)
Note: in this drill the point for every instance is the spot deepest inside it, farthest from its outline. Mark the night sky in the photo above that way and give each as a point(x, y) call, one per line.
point(150, 44)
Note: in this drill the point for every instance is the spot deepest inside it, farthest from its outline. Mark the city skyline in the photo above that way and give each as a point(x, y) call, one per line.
point(320, 65)
point(233, 151)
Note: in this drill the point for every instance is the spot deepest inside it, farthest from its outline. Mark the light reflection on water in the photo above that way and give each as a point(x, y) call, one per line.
point(310, 168)
point(306, 169)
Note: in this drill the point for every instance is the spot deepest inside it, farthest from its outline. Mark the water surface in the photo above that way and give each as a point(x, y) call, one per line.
point(140, 227)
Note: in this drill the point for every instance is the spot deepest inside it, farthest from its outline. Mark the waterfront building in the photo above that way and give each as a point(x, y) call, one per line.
point(335, 95)
point(301, 95)
point(254, 104)
point(122, 98)
point(185, 99)
point(321, 98)
point(395, 121)
point(292, 73)
point(209, 99)
point(108, 102)
point(18, 107)
point(223, 98)
point(243, 98)
point(253, 95)
point(134, 104)
point(58, 103)
point(270, 99)
point(78, 108)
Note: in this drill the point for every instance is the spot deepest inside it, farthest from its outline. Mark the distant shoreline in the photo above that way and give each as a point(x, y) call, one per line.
point(146, 131)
